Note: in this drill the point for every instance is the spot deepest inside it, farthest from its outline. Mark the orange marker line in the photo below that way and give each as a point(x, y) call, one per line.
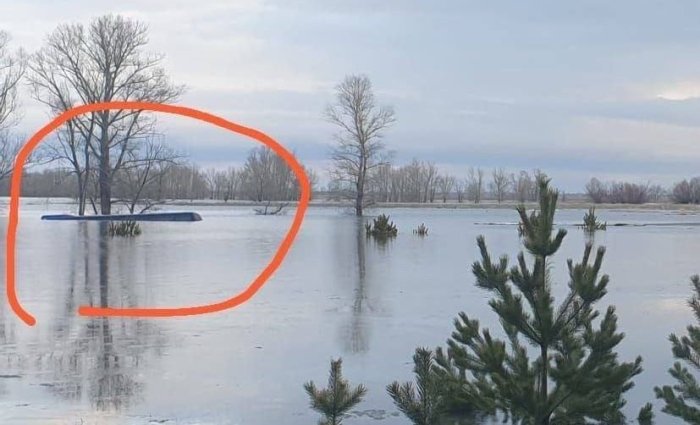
point(238, 299)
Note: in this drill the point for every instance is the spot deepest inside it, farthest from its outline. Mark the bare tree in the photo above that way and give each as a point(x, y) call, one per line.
point(381, 182)
point(12, 65)
point(185, 181)
point(103, 62)
point(521, 186)
point(212, 182)
point(313, 183)
point(619, 192)
point(266, 177)
point(628, 193)
point(220, 182)
point(446, 184)
point(657, 193)
point(266, 210)
point(429, 174)
point(460, 188)
point(596, 191)
point(140, 181)
point(415, 182)
point(475, 186)
point(9, 147)
point(361, 125)
point(257, 180)
point(71, 145)
point(232, 182)
point(499, 184)
point(414, 175)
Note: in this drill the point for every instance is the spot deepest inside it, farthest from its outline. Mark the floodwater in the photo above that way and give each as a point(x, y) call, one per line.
point(336, 294)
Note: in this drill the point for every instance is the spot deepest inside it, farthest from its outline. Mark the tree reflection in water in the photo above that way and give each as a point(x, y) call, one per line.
point(100, 359)
point(356, 339)
point(11, 360)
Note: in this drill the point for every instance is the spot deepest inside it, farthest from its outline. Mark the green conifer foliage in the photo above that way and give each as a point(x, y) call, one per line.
point(335, 401)
point(591, 223)
point(422, 404)
point(683, 399)
point(646, 415)
point(381, 228)
point(557, 364)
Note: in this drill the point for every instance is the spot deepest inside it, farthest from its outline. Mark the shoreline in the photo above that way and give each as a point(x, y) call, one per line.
point(562, 205)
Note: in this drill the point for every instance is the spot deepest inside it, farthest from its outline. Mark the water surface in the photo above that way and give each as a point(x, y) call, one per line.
point(336, 294)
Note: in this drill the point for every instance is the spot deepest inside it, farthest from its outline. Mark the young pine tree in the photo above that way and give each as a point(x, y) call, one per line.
point(426, 406)
point(558, 364)
point(335, 401)
point(683, 399)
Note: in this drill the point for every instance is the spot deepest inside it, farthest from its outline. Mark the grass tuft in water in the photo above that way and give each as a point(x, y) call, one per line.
point(128, 228)
point(421, 230)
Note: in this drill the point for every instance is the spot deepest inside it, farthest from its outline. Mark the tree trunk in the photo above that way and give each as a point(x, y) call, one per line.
point(543, 385)
point(544, 373)
point(104, 174)
point(81, 196)
point(85, 177)
point(359, 199)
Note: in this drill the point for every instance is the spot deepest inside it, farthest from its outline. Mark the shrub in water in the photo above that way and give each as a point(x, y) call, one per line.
point(381, 227)
point(124, 228)
point(591, 223)
point(421, 230)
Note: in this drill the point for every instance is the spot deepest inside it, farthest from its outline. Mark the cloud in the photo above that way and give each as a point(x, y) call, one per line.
point(578, 88)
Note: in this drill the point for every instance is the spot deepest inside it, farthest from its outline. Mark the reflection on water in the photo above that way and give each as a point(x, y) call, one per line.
point(357, 340)
point(356, 334)
point(95, 359)
point(99, 358)
point(247, 366)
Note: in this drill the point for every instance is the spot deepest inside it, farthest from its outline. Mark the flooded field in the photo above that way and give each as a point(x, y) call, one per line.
point(336, 294)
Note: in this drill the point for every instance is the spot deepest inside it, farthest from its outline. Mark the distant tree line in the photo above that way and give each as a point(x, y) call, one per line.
point(617, 192)
point(422, 182)
point(263, 177)
point(687, 191)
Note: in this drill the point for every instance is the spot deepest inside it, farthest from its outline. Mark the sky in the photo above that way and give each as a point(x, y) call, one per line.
point(578, 89)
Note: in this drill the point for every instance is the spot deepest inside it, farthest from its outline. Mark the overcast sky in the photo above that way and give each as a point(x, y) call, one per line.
point(602, 88)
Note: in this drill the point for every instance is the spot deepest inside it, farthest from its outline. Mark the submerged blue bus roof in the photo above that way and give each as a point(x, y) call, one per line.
point(165, 216)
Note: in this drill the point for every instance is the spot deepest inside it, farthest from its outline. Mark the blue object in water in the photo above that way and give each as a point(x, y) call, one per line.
point(166, 216)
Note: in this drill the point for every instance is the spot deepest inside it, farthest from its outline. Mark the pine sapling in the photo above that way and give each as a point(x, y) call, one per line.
point(335, 401)
point(591, 223)
point(422, 404)
point(558, 363)
point(683, 399)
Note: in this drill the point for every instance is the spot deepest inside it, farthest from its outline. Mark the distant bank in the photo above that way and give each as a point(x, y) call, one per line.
point(577, 203)
point(574, 204)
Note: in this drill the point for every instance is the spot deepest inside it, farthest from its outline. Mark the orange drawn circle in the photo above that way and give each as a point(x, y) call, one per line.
point(236, 300)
